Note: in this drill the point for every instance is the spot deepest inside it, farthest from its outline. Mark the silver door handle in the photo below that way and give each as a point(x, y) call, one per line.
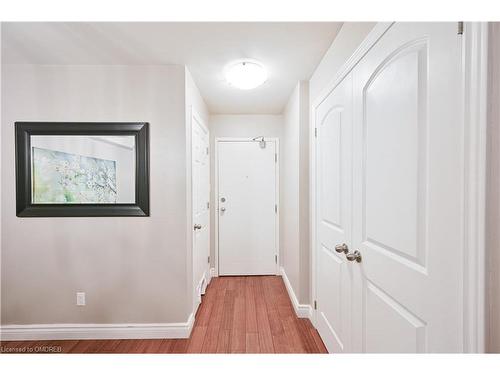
point(197, 226)
point(356, 256)
point(342, 248)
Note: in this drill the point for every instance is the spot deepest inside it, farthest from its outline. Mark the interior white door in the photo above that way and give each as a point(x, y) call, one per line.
point(200, 204)
point(334, 273)
point(408, 191)
point(246, 207)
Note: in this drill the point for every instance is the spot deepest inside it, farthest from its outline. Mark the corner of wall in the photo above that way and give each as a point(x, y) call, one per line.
point(193, 103)
point(304, 214)
point(295, 193)
point(1, 167)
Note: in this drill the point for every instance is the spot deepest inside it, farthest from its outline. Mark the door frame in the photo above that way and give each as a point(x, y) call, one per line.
point(191, 233)
point(474, 71)
point(218, 141)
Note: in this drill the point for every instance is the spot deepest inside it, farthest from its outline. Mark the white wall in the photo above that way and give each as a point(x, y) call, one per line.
point(493, 194)
point(290, 230)
point(297, 135)
point(195, 100)
point(304, 209)
point(132, 268)
point(295, 192)
point(242, 126)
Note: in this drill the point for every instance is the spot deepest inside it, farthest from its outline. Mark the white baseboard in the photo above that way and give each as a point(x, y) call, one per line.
point(212, 273)
point(302, 311)
point(24, 332)
point(97, 331)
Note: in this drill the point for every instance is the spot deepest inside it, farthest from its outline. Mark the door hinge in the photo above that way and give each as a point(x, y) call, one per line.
point(207, 150)
point(276, 208)
point(275, 158)
point(460, 27)
point(315, 132)
point(208, 205)
point(209, 259)
point(276, 259)
point(315, 305)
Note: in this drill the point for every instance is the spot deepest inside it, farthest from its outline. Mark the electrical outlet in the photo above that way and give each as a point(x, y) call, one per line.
point(80, 298)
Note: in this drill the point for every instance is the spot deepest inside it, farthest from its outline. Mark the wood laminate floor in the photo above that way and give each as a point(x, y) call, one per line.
point(251, 314)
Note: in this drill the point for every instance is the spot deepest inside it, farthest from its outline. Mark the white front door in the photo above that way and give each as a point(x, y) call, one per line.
point(201, 209)
point(247, 211)
point(408, 191)
point(334, 214)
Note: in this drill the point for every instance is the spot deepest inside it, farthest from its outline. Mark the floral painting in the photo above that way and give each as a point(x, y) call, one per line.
point(60, 177)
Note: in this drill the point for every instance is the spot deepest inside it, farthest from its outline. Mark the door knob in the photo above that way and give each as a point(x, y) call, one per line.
point(356, 256)
point(197, 226)
point(223, 209)
point(342, 248)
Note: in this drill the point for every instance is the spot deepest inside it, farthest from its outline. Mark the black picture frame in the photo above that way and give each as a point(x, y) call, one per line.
point(24, 205)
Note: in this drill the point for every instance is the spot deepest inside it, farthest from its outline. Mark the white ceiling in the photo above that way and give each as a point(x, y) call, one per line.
point(290, 52)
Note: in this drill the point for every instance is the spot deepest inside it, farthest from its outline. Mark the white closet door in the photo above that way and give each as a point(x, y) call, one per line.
point(334, 273)
point(408, 191)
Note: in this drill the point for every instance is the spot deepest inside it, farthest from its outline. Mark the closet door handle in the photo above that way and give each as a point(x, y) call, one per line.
point(356, 256)
point(342, 248)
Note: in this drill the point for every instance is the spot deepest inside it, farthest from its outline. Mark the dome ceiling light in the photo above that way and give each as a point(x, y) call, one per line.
point(246, 74)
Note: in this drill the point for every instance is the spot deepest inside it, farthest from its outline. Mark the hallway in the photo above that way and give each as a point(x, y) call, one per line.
point(250, 314)
point(337, 177)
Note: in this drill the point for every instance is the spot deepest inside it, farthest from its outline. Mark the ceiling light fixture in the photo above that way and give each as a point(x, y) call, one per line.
point(246, 74)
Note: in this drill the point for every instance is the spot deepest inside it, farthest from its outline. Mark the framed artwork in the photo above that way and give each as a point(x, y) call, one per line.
point(82, 169)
